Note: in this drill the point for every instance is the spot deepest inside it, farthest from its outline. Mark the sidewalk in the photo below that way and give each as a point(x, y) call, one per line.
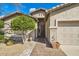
point(70, 50)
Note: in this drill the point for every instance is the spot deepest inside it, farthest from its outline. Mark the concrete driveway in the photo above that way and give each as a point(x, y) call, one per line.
point(70, 50)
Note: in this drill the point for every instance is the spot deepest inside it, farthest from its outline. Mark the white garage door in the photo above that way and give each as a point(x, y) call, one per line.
point(68, 32)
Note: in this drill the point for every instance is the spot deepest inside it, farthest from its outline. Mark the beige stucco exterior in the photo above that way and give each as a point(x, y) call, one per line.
point(63, 25)
point(7, 28)
point(39, 14)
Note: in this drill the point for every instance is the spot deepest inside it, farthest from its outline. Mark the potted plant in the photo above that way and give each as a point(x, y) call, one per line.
point(56, 45)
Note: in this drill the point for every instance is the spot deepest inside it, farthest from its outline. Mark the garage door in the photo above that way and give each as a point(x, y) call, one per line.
point(68, 32)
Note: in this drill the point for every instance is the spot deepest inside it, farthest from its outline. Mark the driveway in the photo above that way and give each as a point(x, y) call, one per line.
point(70, 50)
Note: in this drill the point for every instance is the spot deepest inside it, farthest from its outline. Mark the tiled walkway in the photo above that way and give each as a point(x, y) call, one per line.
point(41, 50)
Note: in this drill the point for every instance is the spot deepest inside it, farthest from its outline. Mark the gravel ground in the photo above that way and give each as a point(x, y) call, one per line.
point(17, 49)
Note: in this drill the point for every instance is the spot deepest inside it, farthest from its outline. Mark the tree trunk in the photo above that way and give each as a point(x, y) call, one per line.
point(23, 37)
point(29, 37)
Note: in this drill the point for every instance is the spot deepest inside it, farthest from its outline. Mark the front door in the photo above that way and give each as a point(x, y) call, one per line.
point(41, 28)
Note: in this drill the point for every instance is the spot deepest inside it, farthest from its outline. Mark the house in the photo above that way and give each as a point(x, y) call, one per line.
point(62, 24)
point(59, 24)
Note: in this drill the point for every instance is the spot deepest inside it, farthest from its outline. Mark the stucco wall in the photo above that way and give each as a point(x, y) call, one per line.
point(71, 12)
point(39, 14)
point(7, 26)
point(47, 30)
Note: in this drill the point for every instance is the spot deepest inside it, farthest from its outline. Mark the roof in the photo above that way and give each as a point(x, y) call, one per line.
point(58, 7)
point(41, 9)
point(14, 14)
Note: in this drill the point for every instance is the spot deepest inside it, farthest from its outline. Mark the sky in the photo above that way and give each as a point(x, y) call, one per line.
point(26, 8)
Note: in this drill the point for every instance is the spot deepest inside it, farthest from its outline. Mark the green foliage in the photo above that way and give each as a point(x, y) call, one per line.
point(23, 23)
point(9, 42)
point(1, 23)
point(1, 38)
point(1, 33)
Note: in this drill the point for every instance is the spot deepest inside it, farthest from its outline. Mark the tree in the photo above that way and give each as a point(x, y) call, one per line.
point(23, 23)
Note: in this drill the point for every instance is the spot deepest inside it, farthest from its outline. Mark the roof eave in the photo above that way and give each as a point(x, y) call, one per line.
point(57, 8)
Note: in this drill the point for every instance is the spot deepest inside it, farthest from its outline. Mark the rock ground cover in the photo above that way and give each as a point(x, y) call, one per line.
point(16, 49)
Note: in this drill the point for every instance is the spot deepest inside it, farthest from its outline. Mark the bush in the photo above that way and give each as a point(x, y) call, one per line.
point(1, 23)
point(9, 42)
point(1, 33)
point(1, 38)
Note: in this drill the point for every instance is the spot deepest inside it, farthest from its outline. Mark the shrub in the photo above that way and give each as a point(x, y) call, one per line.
point(9, 42)
point(1, 33)
point(1, 38)
point(1, 23)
